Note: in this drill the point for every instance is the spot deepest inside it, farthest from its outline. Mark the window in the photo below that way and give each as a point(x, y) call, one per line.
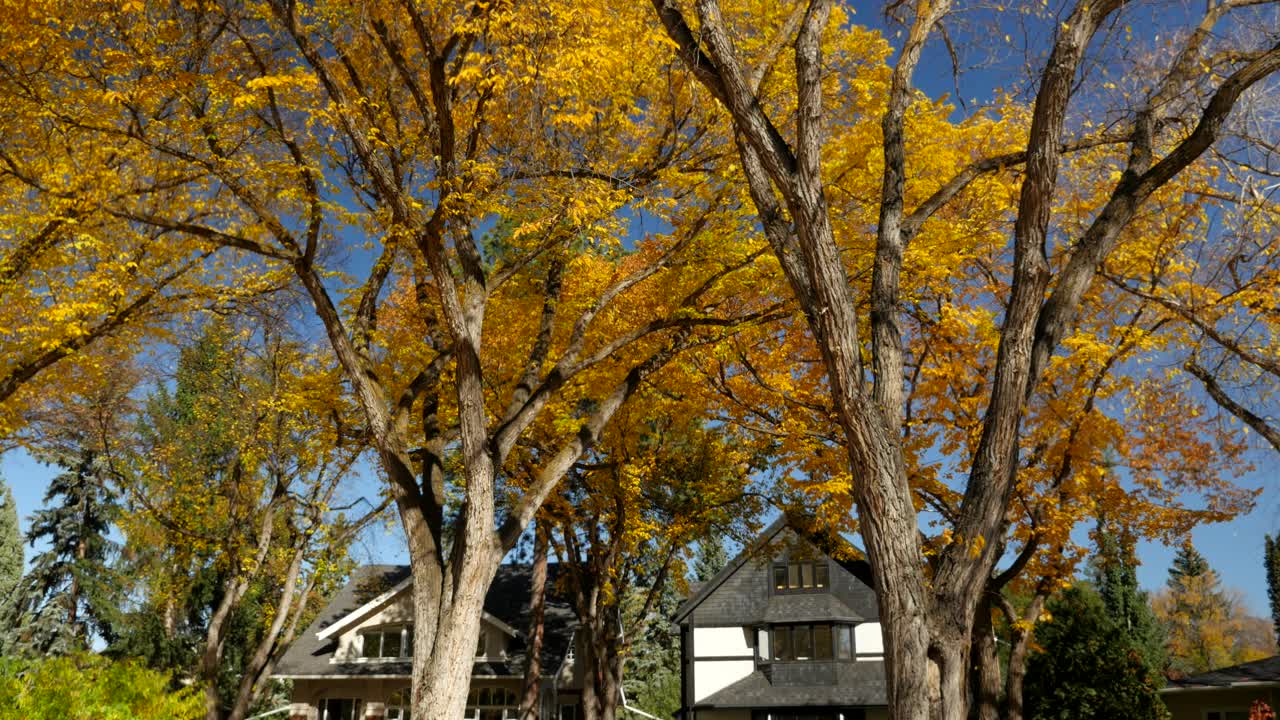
point(568, 712)
point(782, 644)
point(844, 642)
point(398, 705)
point(801, 575)
point(822, 642)
point(1226, 715)
point(492, 703)
point(393, 641)
point(811, 642)
point(802, 642)
point(339, 709)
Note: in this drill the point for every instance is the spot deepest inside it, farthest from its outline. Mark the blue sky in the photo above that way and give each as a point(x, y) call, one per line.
point(1234, 549)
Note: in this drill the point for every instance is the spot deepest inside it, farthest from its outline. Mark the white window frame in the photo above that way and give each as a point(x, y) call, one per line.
point(509, 712)
point(399, 702)
point(406, 643)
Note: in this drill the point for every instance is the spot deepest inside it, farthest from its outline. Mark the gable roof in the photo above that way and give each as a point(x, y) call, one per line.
point(817, 606)
point(708, 587)
point(370, 587)
point(1259, 672)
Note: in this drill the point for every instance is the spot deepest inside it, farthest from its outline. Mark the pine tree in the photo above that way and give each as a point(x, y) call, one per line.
point(1087, 666)
point(71, 595)
point(11, 556)
point(1271, 560)
point(652, 677)
point(1188, 563)
point(1116, 577)
point(1203, 621)
point(711, 559)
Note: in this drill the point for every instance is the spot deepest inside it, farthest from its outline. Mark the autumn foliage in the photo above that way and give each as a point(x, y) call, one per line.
point(532, 238)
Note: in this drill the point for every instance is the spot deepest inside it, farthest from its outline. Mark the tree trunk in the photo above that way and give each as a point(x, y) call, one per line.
point(530, 699)
point(985, 671)
point(251, 679)
point(1020, 648)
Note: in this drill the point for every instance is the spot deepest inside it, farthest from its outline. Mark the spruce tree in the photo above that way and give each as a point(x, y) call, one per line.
point(1087, 666)
point(10, 547)
point(1271, 560)
point(1116, 577)
point(70, 596)
point(710, 560)
point(1188, 563)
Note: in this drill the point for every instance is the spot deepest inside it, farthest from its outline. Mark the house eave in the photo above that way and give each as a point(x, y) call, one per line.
point(1227, 686)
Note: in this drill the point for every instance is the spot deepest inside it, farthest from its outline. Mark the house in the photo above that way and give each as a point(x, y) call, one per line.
point(1226, 693)
point(783, 632)
point(353, 662)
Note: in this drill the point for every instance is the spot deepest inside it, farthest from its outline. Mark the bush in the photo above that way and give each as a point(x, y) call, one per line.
point(90, 687)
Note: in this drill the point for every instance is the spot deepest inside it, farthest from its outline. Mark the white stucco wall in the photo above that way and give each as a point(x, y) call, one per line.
point(868, 639)
point(712, 675)
point(722, 642)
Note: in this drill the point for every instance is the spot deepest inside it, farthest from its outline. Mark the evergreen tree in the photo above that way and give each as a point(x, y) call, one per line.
point(10, 547)
point(1187, 564)
point(652, 677)
point(71, 594)
point(1271, 559)
point(1087, 666)
point(1204, 623)
point(1116, 577)
point(710, 560)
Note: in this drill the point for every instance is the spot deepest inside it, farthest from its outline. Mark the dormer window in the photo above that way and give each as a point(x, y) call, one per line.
point(801, 576)
point(389, 642)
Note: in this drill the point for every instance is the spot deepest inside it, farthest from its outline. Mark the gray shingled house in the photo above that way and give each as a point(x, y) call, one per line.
point(784, 632)
point(354, 660)
point(1226, 693)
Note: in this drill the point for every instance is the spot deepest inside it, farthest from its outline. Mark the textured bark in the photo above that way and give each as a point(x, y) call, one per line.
point(920, 624)
point(985, 667)
point(530, 697)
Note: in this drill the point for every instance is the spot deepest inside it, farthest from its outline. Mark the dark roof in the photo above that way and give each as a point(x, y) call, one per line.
point(809, 607)
point(706, 588)
point(1266, 670)
point(507, 600)
point(856, 684)
point(798, 607)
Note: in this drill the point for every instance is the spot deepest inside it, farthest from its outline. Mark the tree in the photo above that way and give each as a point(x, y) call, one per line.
point(1116, 580)
point(1204, 623)
point(1271, 562)
point(234, 525)
point(71, 594)
point(656, 484)
point(710, 560)
point(782, 143)
point(11, 558)
point(1087, 666)
point(279, 132)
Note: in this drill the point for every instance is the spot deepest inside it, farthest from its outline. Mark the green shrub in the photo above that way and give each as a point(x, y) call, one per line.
point(90, 687)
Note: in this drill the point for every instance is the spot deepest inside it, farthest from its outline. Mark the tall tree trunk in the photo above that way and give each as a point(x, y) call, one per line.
point(252, 675)
point(530, 698)
point(985, 667)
